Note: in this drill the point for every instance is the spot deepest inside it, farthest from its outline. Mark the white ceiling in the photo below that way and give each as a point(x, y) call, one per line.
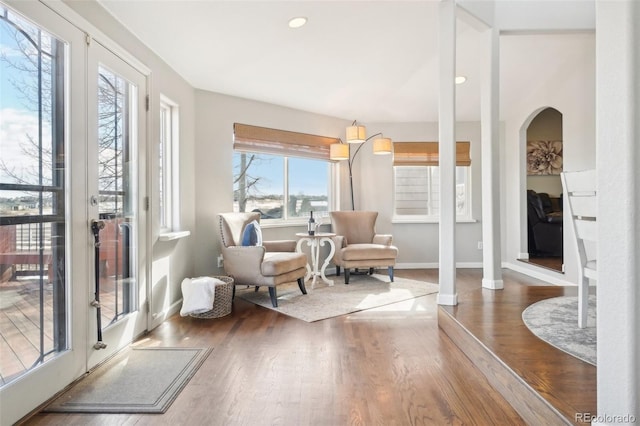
point(374, 61)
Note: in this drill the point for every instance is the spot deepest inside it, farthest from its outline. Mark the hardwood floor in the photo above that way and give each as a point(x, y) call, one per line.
point(553, 263)
point(387, 366)
point(544, 384)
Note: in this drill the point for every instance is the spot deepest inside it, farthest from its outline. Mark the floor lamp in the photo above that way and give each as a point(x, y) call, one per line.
point(357, 134)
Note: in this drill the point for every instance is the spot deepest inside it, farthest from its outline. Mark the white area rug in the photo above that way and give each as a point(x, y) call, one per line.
point(144, 380)
point(322, 302)
point(555, 321)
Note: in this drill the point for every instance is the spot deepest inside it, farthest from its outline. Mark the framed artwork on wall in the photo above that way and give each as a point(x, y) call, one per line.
point(544, 158)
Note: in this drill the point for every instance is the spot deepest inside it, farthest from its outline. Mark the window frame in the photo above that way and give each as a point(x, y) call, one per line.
point(288, 144)
point(285, 220)
point(467, 216)
point(168, 185)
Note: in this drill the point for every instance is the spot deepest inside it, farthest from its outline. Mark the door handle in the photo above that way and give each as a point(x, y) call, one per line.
point(96, 226)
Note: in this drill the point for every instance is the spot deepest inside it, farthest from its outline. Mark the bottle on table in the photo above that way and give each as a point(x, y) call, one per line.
point(311, 226)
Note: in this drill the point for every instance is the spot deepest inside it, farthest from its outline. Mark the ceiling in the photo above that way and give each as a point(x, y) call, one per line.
point(374, 61)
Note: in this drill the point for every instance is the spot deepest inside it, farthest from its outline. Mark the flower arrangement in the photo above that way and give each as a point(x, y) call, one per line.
point(544, 157)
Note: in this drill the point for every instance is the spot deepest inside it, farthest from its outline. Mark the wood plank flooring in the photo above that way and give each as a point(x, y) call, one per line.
point(546, 385)
point(387, 366)
point(553, 263)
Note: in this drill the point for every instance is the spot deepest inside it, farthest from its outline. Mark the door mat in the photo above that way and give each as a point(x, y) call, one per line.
point(139, 380)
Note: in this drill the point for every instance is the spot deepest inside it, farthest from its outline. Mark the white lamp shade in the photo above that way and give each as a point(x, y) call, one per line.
point(339, 151)
point(382, 146)
point(356, 134)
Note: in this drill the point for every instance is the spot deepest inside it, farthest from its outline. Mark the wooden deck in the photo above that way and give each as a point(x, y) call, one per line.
point(20, 324)
point(392, 365)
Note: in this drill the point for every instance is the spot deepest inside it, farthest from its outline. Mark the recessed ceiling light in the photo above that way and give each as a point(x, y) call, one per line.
point(460, 79)
point(297, 22)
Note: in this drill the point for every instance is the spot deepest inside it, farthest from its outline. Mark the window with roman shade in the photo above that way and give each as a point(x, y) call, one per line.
point(249, 138)
point(282, 174)
point(417, 180)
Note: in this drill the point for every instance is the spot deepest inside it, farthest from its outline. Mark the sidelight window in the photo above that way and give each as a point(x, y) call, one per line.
point(167, 164)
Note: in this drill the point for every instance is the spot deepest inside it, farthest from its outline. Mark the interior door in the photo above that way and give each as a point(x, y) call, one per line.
point(117, 208)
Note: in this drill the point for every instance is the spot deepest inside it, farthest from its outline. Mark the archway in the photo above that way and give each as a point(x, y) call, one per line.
point(543, 162)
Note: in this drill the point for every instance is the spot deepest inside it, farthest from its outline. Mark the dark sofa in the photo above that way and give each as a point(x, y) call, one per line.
point(544, 224)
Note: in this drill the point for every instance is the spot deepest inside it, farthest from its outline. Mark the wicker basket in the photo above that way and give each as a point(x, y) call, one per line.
point(221, 301)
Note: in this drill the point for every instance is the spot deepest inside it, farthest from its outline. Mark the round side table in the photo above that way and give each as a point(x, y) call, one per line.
point(315, 242)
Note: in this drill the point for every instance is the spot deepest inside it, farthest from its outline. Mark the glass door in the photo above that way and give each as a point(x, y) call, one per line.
point(42, 257)
point(117, 207)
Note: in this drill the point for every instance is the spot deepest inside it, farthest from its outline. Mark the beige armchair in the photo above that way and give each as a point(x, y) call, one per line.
point(358, 245)
point(270, 264)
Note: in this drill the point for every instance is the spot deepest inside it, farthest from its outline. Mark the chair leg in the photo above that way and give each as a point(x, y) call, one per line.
point(273, 296)
point(583, 301)
point(347, 272)
point(337, 271)
point(391, 273)
point(303, 289)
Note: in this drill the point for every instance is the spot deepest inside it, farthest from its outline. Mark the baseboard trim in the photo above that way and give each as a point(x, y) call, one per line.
point(436, 265)
point(447, 299)
point(160, 317)
point(536, 272)
point(492, 284)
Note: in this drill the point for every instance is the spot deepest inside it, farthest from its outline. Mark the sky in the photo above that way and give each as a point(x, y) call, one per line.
point(9, 96)
point(16, 121)
point(306, 176)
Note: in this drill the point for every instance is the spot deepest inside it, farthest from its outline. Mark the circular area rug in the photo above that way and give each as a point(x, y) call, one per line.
point(556, 322)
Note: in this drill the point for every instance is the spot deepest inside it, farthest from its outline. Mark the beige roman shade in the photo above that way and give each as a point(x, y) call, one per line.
point(426, 154)
point(280, 142)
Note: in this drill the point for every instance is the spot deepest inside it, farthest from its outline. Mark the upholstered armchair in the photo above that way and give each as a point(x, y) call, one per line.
point(259, 263)
point(358, 245)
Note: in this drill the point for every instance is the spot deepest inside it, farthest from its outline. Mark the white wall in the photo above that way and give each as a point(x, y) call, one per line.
point(618, 289)
point(206, 152)
point(417, 242)
point(214, 116)
point(171, 261)
point(567, 86)
point(373, 177)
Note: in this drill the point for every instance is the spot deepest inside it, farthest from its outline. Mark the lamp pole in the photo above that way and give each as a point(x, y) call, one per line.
point(350, 162)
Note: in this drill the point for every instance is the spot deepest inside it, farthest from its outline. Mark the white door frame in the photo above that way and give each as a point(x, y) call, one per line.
point(125, 330)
